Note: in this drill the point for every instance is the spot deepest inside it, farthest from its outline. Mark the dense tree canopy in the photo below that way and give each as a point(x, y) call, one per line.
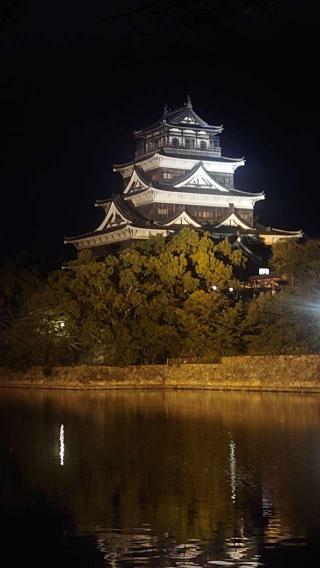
point(289, 322)
point(298, 259)
point(151, 301)
point(156, 300)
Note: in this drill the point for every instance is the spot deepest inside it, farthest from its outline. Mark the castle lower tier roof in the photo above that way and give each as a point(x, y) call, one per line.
point(116, 233)
point(263, 230)
point(136, 222)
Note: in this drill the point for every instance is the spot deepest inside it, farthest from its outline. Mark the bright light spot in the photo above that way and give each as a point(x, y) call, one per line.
point(233, 468)
point(61, 439)
point(231, 289)
point(62, 324)
point(263, 271)
point(214, 287)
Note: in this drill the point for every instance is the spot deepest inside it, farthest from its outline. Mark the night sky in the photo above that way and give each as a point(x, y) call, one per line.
point(78, 77)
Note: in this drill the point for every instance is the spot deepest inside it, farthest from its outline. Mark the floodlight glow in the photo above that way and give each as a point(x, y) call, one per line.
point(263, 271)
point(231, 289)
point(214, 287)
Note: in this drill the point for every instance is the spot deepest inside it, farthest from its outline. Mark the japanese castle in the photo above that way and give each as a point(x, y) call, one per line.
point(178, 177)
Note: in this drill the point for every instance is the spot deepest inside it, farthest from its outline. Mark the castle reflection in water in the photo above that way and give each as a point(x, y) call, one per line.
point(169, 478)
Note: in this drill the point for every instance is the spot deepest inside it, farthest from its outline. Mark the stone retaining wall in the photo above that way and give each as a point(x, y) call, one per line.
point(276, 373)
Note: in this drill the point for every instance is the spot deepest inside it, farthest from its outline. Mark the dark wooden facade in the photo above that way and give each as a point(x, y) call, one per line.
point(163, 212)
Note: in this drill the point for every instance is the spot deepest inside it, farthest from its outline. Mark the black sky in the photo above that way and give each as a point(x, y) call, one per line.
point(78, 77)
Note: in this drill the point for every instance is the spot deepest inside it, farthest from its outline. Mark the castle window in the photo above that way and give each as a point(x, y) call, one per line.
point(190, 143)
point(228, 180)
point(203, 145)
point(167, 175)
point(163, 210)
point(175, 143)
point(204, 214)
point(245, 215)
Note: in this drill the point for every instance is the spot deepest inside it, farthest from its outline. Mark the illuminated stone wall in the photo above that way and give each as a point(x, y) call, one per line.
point(286, 372)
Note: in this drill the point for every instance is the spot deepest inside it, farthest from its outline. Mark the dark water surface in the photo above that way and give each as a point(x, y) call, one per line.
point(172, 479)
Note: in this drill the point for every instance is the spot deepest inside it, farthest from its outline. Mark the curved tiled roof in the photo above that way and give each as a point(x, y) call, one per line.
point(178, 116)
point(170, 153)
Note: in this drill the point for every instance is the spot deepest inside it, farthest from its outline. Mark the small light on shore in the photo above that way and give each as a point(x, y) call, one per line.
point(231, 289)
point(214, 287)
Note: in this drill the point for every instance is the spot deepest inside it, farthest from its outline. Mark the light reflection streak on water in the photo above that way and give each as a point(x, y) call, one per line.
point(233, 468)
point(61, 441)
point(266, 504)
point(257, 494)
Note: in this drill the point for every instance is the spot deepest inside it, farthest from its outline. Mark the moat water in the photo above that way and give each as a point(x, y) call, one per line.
point(159, 479)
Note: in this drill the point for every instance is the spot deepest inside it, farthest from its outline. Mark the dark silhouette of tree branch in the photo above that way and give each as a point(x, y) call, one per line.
point(11, 11)
point(194, 14)
point(144, 9)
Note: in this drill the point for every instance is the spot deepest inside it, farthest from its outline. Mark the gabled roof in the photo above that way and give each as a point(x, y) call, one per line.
point(113, 215)
point(119, 208)
point(137, 181)
point(184, 218)
point(199, 180)
point(198, 177)
point(127, 210)
point(230, 230)
point(183, 117)
point(231, 219)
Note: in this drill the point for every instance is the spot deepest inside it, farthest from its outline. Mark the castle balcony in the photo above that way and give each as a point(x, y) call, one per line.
point(182, 150)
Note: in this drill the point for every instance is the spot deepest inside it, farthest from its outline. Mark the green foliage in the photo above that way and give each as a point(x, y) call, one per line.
point(151, 301)
point(299, 260)
point(285, 323)
point(155, 300)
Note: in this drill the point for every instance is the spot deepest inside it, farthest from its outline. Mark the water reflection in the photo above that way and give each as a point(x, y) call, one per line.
point(232, 461)
point(61, 439)
point(162, 478)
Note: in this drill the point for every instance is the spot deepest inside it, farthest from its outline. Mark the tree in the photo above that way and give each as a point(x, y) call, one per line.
point(150, 301)
point(164, 16)
point(11, 11)
point(286, 323)
point(299, 260)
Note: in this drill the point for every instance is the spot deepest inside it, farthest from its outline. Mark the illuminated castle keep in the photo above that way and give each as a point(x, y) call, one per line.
point(178, 177)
